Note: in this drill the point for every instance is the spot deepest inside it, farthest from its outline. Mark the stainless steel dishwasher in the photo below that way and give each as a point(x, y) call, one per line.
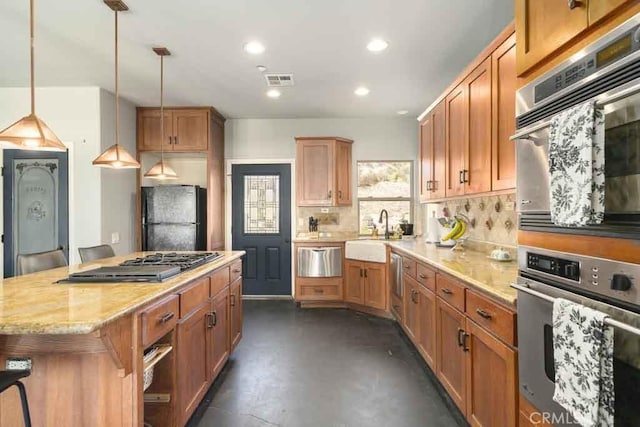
point(320, 261)
point(395, 274)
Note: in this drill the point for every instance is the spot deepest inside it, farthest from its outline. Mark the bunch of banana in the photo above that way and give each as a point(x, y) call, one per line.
point(458, 230)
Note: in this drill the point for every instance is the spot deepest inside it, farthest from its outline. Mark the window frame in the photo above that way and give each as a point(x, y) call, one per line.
point(409, 199)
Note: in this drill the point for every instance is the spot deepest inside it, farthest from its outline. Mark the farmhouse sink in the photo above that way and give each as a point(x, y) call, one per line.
point(366, 250)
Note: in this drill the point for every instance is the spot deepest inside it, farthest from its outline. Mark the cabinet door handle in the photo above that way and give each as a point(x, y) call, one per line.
point(573, 4)
point(167, 317)
point(365, 273)
point(340, 194)
point(232, 302)
point(483, 313)
point(330, 194)
point(422, 276)
point(319, 291)
point(429, 185)
point(460, 179)
point(170, 141)
point(214, 315)
point(447, 291)
point(175, 140)
point(210, 320)
point(465, 336)
point(434, 186)
point(460, 332)
point(361, 275)
point(465, 175)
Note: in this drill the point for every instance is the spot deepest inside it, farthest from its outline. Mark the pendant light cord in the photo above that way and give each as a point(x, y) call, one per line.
point(32, 41)
point(117, 95)
point(162, 113)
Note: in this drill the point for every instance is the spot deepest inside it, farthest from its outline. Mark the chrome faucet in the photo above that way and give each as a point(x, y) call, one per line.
point(386, 223)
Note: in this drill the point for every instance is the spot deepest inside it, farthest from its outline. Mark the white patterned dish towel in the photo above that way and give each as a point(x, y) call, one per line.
point(576, 166)
point(583, 359)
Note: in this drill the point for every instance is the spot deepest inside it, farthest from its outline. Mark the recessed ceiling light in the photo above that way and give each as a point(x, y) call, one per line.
point(261, 68)
point(403, 112)
point(377, 45)
point(361, 91)
point(274, 93)
point(254, 48)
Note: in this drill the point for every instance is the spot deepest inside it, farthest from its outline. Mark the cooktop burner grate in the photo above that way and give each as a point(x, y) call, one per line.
point(185, 261)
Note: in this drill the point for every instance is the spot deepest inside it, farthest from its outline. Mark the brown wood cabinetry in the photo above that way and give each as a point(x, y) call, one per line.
point(456, 136)
point(464, 137)
point(476, 175)
point(366, 284)
point(220, 329)
point(235, 313)
point(318, 289)
point(411, 319)
point(427, 330)
point(504, 82)
point(450, 354)
point(185, 129)
point(323, 171)
point(544, 27)
point(492, 385)
point(194, 342)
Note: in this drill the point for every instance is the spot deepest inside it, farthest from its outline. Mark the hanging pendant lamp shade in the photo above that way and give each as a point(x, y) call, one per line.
point(30, 132)
point(161, 170)
point(116, 156)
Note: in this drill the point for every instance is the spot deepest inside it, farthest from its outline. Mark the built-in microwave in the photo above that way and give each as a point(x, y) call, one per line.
point(608, 73)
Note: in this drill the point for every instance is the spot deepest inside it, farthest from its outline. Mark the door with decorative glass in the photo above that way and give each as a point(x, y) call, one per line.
point(35, 204)
point(261, 226)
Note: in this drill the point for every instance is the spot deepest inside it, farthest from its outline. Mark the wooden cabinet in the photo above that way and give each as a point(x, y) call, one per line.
point(411, 301)
point(219, 332)
point(433, 154)
point(318, 289)
point(456, 140)
point(504, 82)
point(450, 353)
point(235, 313)
point(366, 284)
point(545, 26)
point(476, 175)
point(194, 341)
point(185, 129)
point(323, 171)
point(492, 385)
point(426, 342)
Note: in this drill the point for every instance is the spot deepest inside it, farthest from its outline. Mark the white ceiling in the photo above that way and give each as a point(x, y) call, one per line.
point(322, 42)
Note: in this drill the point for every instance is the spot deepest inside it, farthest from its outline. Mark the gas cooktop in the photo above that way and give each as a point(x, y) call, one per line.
point(151, 268)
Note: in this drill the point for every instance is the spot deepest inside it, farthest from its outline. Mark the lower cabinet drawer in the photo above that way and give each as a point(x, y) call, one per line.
point(319, 292)
point(450, 290)
point(219, 279)
point(193, 296)
point(492, 316)
point(159, 319)
point(236, 271)
point(426, 276)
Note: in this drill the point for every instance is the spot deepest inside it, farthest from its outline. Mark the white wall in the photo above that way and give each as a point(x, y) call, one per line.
point(374, 139)
point(118, 187)
point(100, 201)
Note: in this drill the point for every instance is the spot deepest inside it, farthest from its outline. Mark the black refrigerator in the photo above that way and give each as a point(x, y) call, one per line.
point(174, 218)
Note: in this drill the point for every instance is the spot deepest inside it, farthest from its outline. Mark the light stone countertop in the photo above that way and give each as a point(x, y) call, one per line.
point(473, 267)
point(35, 304)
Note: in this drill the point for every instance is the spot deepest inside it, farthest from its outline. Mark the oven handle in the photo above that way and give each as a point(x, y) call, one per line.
point(524, 133)
point(609, 321)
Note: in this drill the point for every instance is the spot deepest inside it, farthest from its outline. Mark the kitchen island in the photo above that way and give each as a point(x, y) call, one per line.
point(87, 343)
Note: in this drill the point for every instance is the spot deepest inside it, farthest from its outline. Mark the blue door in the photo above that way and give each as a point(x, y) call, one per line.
point(261, 226)
point(35, 204)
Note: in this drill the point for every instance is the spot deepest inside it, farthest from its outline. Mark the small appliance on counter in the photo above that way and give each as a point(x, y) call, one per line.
point(174, 218)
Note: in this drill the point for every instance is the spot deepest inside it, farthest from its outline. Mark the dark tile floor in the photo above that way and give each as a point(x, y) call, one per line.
point(324, 368)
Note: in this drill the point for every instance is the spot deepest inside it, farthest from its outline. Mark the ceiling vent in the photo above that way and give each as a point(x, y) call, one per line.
point(278, 79)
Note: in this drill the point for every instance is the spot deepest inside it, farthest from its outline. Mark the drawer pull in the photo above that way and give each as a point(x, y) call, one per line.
point(396, 308)
point(464, 342)
point(236, 270)
point(319, 291)
point(483, 314)
point(460, 333)
point(210, 320)
point(422, 276)
point(447, 291)
point(167, 317)
point(406, 267)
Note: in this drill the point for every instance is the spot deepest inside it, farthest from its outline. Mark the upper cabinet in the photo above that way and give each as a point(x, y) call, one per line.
point(464, 139)
point(545, 26)
point(185, 129)
point(323, 171)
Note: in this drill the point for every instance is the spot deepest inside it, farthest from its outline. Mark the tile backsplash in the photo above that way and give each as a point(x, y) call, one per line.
point(338, 219)
point(493, 218)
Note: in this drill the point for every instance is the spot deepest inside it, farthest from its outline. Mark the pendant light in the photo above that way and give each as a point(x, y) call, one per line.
point(31, 133)
point(116, 156)
point(161, 170)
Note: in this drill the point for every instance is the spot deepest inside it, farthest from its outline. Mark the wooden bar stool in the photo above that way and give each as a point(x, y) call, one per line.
point(9, 378)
